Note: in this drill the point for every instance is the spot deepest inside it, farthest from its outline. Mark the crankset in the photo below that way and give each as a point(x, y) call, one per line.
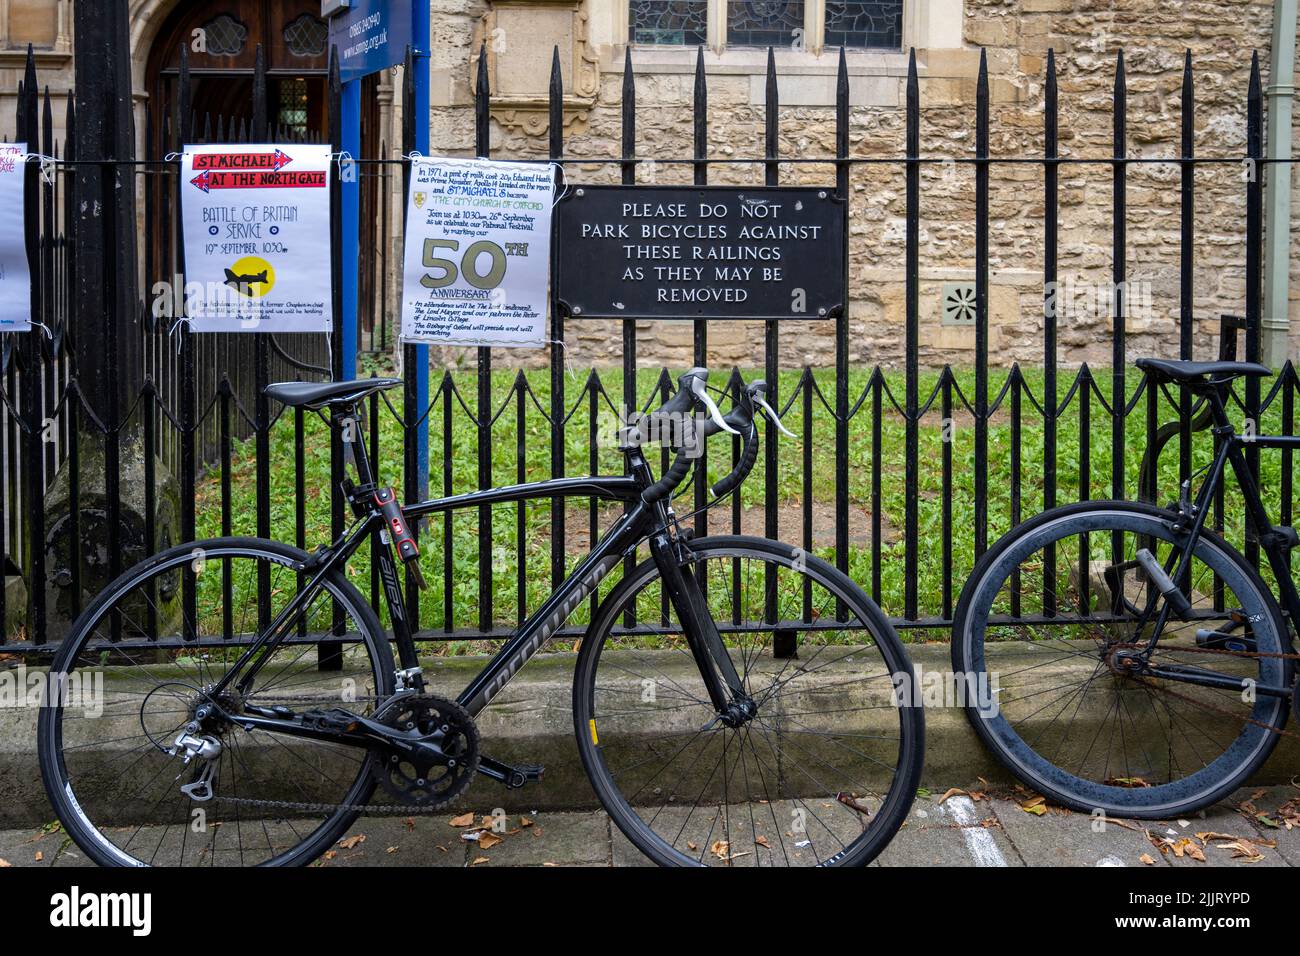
point(426, 777)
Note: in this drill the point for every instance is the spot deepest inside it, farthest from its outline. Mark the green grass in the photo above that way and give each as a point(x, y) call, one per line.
point(461, 549)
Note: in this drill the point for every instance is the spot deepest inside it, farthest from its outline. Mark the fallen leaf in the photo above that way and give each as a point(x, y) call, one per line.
point(1148, 859)
point(487, 841)
point(1268, 821)
point(39, 856)
point(464, 820)
point(479, 859)
point(1130, 782)
point(1035, 805)
point(525, 822)
point(391, 849)
point(720, 848)
point(4, 863)
point(349, 843)
point(691, 846)
point(762, 841)
point(410, 823)
point(331, 854)
point(1243, 850)
point(954, 792)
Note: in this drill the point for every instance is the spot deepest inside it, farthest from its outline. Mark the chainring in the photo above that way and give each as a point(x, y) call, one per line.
point(427, 784)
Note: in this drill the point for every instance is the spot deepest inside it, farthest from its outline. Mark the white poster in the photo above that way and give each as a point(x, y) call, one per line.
point(478, 249)
point(257, 237)
point(15, 279)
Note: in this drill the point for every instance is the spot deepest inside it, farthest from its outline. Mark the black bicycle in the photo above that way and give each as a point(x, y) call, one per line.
point(734, 698)
point(1135, 662)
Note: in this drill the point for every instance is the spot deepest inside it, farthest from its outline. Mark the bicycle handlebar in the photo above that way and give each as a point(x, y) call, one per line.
point(690, 397)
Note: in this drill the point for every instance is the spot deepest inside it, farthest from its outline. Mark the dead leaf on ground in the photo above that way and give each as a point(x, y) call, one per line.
point(487, 841)
point(525, 822)
point(464, 820)
point(479, 859)
point(1147, 858)
point(1133, 783)
point(1035, 805)
point(39, 856)
point(4, 863)
point(391, 849)
point(762, 841)
point(349, 843)
point(954, 792)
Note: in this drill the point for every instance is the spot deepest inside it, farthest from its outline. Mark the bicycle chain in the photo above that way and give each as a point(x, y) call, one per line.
point(1223, 712)
point(367, 809)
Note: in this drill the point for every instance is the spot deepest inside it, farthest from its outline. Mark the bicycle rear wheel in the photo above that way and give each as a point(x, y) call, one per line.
point(825, 772)
point(1051, 617)
point(144, 658)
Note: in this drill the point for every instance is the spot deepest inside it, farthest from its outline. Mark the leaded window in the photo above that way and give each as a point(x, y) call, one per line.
point(669, 22)
point(225, 36)
point(306, 35)
point(292, 111)
point(764, 22)
point(855, 24)
point(864, 24)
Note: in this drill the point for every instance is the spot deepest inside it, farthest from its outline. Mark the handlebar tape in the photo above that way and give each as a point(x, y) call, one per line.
point(670, 480)
point(748, 455)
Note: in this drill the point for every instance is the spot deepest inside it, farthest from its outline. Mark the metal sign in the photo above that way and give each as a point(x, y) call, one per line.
point(371, 35)
point(702, 252)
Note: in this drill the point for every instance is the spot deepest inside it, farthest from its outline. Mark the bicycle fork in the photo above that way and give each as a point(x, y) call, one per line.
point(726, 690)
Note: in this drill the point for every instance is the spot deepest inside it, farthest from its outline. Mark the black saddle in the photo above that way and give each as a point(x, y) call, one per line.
point(327, 394)
point(1201, 373)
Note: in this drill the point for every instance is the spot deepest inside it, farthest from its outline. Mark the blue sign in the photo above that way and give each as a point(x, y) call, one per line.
point(371, 36)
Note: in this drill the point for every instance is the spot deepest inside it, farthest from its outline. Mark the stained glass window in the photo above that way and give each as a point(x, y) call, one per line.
point(669, 22)
point(864, 24)
point(764, 22)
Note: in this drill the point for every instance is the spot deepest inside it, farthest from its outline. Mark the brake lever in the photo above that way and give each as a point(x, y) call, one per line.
point(700, 392)
point(771, 413)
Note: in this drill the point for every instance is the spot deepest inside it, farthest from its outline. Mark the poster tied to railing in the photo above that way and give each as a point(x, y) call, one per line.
point(257, 237)
point(15, 279)
point(478, 247)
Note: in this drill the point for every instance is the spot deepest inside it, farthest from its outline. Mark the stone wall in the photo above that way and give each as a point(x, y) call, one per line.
point(1016, 35)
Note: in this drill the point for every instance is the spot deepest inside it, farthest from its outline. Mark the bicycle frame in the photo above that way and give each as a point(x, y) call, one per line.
point(1231, 451)
point(640, 520)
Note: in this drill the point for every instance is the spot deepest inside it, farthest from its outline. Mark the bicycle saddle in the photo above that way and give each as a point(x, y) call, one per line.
point(324, 394)
point(1193, 373)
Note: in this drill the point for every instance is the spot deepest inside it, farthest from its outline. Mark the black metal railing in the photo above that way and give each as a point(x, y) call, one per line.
point(934, 464)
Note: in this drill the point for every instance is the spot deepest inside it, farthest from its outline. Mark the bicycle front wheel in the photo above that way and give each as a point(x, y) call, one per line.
point(142, 665)
point(1051, 622)
point(826, 770)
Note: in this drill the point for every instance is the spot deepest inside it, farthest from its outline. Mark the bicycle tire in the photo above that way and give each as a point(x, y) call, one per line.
point(1134, 796)
point(861, 611)
point(92, 836)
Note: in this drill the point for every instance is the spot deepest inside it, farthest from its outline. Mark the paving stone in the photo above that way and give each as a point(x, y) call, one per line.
point(951, 833)
point(554, 839)
point(1072, 839)
point(424, 841)
point(21, 847)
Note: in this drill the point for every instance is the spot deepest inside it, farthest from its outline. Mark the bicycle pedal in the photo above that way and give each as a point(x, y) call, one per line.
point(513, 777)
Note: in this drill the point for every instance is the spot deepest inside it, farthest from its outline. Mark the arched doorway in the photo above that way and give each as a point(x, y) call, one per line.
point(295, 42)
